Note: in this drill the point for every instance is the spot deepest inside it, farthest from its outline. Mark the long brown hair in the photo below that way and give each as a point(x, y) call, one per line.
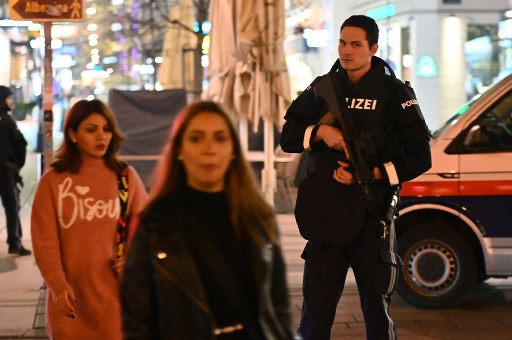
point(246, 202)
point(68, 156)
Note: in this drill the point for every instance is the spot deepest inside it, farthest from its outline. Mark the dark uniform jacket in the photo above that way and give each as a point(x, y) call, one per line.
point(386, 109)
point(162, 296)
point(13, 146)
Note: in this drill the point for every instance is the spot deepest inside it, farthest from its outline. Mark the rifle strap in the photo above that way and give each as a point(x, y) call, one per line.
point(338, 89)
point(329, 118)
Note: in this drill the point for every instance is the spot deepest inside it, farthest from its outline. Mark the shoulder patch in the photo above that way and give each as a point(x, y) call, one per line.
point(409, 103)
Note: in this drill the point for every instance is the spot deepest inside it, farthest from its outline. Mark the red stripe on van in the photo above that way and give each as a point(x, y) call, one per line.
point(419, 189)
point(467, 188)
point(486, 188)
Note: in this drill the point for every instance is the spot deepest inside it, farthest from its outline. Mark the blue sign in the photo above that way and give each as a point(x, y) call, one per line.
point(382, 12)
point(426, 67)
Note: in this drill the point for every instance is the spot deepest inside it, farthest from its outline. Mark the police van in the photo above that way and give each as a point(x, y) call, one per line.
point(455, 224)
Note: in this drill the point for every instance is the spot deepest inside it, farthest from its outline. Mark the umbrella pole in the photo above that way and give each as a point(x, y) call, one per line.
point(243, 132)
point(268, 174)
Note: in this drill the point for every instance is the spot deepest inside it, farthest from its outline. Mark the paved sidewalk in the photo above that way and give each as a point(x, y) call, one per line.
point(20, 280)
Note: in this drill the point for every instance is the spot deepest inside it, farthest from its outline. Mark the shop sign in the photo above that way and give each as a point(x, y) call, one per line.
point(426, 67)
point(382, 12)
point(47, 10)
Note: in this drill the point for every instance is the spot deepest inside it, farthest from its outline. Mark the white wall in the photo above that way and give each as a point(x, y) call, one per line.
point(424, 42)
point(452, 65)
point(5, 58)
point(340, 11)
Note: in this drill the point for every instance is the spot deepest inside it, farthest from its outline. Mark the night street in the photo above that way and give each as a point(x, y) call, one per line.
point(486, 313)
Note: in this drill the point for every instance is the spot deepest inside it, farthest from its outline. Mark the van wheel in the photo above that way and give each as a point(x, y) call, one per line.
point(439, 266)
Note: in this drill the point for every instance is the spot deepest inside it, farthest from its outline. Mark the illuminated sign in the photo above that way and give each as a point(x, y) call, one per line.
point(47, 10)
point(426, 67)
point(382, 12)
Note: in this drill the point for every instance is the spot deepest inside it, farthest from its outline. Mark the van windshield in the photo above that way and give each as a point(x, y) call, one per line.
point(454, 119)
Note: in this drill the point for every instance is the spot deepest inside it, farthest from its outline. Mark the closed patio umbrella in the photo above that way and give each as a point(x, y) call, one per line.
point(248, 71)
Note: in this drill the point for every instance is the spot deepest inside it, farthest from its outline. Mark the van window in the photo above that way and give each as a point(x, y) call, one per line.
point(453, 119)
point(490, 132)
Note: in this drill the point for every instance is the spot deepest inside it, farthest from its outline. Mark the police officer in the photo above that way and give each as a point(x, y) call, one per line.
point(13, 148)
point(340, 221)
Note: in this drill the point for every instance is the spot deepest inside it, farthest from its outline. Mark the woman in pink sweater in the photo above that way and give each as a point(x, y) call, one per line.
point(74, 222)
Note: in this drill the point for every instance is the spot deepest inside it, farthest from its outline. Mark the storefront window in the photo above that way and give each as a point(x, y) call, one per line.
point(482, 58)
point(505, 46)
point(407, 59)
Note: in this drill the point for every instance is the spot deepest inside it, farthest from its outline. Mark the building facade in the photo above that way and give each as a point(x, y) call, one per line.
point(450, 50)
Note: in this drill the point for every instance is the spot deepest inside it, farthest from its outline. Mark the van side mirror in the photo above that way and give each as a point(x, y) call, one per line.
point(478, 139)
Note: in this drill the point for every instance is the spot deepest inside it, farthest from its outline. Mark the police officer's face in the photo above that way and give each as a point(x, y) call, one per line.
point(9, 101)
point(207, 151)
point(354, 50)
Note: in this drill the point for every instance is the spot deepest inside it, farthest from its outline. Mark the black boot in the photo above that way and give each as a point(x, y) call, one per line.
point(21, 251)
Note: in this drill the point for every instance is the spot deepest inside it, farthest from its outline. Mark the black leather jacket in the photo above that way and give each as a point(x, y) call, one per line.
point(161, 292)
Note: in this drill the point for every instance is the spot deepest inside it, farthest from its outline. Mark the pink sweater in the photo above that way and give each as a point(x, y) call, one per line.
point(74, 218)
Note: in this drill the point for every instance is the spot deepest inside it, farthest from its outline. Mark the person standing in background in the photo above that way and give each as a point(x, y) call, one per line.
point(13, 152)
point(205, 262)
point(74, 225)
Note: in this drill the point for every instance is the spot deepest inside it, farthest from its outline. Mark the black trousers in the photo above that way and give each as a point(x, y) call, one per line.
point(11, 202)
point(375, 266)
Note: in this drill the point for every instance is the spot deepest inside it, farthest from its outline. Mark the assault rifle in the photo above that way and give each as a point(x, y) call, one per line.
point(360, 145)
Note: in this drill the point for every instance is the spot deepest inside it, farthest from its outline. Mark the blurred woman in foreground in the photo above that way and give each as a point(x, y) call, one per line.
point(205, 261)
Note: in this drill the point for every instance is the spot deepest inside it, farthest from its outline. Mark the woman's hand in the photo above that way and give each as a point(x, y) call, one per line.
point(342, 175)
point(63, 303)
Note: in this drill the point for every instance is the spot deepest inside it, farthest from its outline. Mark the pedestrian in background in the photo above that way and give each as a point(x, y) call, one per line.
point(345, 225)
point(13, 151)
point(74, 225)
point(205, 261)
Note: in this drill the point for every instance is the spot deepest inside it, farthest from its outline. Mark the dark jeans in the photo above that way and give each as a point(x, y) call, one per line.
point(11, 203)
point(325, 272)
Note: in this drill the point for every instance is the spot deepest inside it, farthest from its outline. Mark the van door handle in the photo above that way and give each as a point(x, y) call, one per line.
point(449, 175)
